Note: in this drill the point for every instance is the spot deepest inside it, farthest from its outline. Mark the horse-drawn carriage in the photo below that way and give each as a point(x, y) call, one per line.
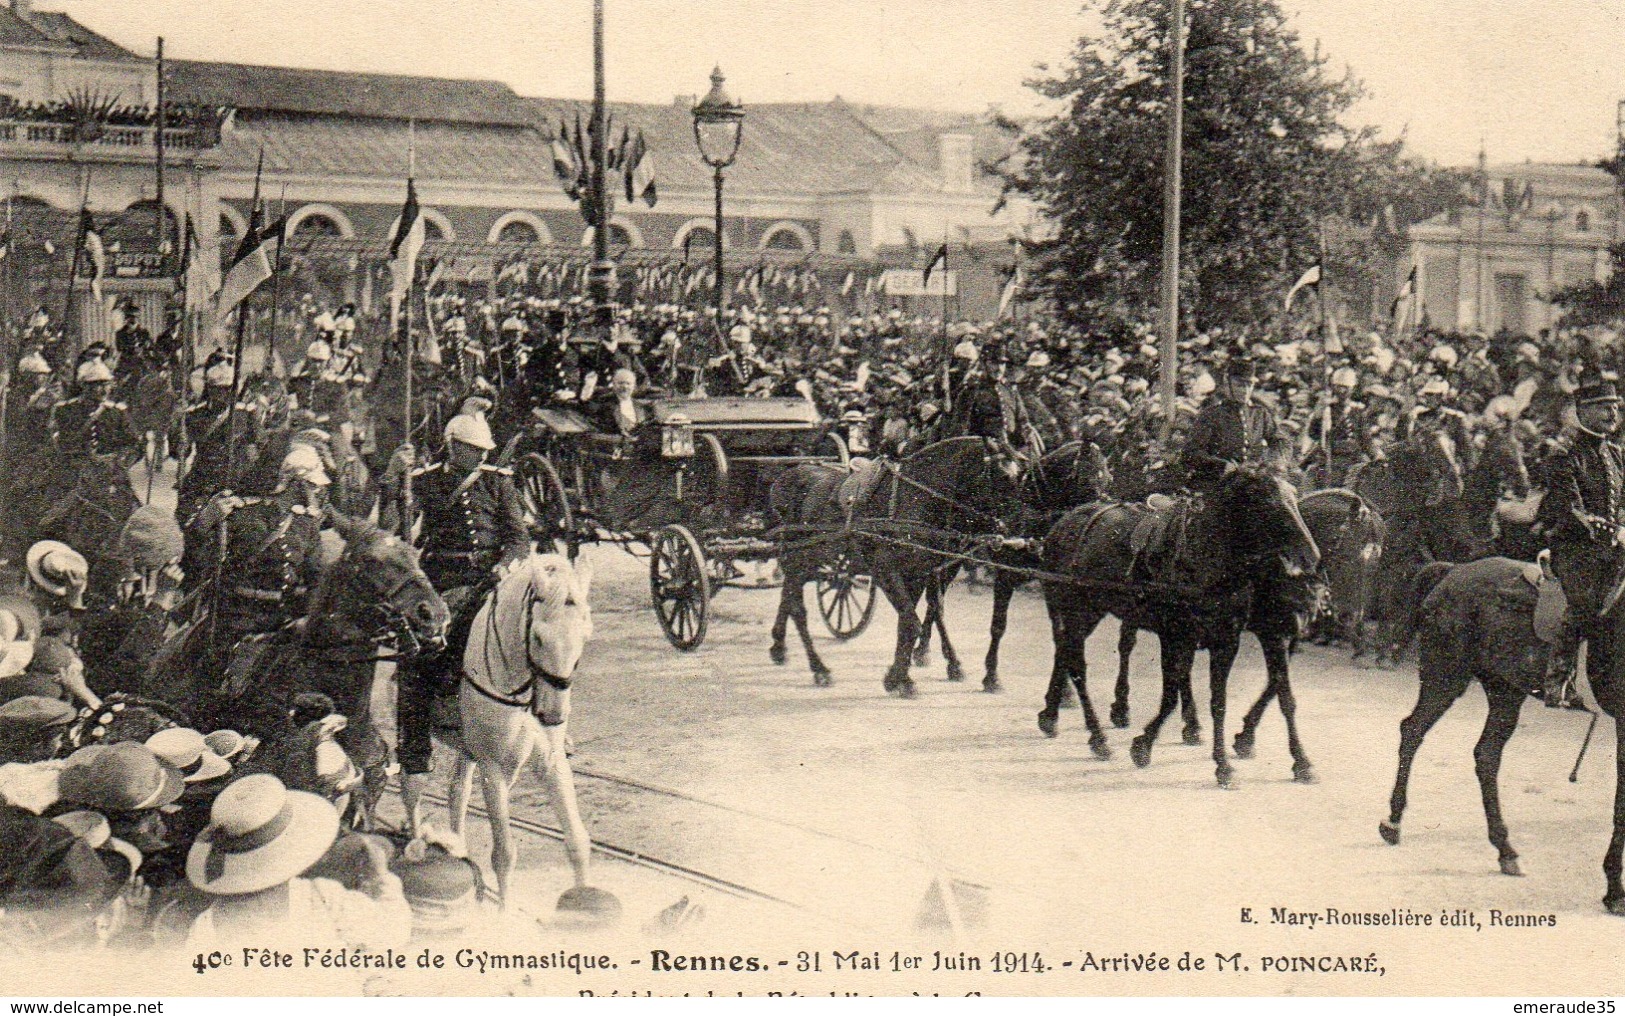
point(690, 485)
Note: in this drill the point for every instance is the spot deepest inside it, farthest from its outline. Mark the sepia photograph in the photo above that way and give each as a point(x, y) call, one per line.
point(606, 498)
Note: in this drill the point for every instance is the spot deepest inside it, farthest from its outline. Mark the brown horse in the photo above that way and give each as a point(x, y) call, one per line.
point(1475, 624)
point(1194, 586)
point(901, 530)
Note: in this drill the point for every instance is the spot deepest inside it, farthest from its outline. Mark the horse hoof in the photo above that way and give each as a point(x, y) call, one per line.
point(1509, 866)
point(1140, 751)
point(778, 655)
point(956, 673)
point(822, 679)
point(1389, 832)
point(1226, 777)
point(1244, 746)
point(1192, 735)
point(1120, 717)
point(991, 685)
point(1303, 772)
point(1615, 904)
point(905, 689)
point(922, 658)
point(1047, 724)
point(1102, 750)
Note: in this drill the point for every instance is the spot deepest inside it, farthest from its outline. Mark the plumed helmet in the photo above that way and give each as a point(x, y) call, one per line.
point(92, 371)
point(34, 363)
point(1444, 354)
point(304, 463)
point(318, 350)
point(471, 430)
point(1345, 377)
point(220, 375)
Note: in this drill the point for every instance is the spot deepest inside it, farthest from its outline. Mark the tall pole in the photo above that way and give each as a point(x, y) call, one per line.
point(602, 275)
point(162, 231)
point(1170, 217)
point(406, 344)
point(73, 271)
point(722, 287)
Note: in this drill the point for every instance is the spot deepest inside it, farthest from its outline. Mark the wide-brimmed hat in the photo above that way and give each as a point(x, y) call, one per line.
point(441, 888)
point(1596, 392)
point(122, 777)
point(30, 714)
point(225, 743)
point(260, 834)
point(95, 830)
point(588, 905)
point(59, 570)
point(187, 750)
point(151, 539)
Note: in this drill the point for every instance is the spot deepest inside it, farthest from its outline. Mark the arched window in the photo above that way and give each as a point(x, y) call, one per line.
point(317, 225)
point(845, 244)
point(1582, 221)
point(783, 239)
point(700, 237)
point(517, 231)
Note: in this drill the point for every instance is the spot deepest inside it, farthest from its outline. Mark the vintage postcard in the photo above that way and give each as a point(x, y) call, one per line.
point(610, 498)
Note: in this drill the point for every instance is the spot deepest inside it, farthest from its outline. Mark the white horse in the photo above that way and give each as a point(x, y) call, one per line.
point(514, 701)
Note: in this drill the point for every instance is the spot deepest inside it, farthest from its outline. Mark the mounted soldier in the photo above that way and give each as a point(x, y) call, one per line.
point(1338, 435)
point(267, 553)
point(473, 525)
point(208, 428)
point(1230, 430)
point(91, 426)
point(1581, 518)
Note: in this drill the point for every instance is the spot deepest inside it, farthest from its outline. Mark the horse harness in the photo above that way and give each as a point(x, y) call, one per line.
point(523, 697)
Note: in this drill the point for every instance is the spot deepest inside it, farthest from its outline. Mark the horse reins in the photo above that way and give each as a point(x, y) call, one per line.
point(535, 670)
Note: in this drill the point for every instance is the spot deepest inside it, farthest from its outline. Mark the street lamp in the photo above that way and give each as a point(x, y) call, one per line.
point(719, 121)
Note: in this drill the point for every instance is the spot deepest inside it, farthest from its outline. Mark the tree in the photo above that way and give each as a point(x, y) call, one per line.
point(1267, 160)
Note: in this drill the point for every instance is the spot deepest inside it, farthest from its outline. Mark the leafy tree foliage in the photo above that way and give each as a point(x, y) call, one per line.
point(1268, 161)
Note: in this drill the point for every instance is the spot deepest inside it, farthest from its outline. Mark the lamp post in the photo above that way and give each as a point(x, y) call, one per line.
point(719, 122)
point(601, 277)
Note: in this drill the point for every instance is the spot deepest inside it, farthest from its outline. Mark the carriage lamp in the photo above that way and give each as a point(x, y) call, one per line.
point(677, 438)
point(857, 437)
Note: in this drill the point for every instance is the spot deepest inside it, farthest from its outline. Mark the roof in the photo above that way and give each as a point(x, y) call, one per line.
point(14, 31)
point(334, 146)
point(89, 45)
point(914, 132)
point(802, 148)
point(298, 90)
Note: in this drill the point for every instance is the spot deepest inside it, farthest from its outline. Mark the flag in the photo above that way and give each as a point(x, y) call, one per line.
point(939, 259)
point(249, 267)
point(1332, 340)
point(640, 173)
point(194, 279)
point(846, 284)
point(1406, 291)
point(1308, 278)
point(406, 243)
point(435, 274)
point(92, 243)
point(1008, 297)
point(565, 167)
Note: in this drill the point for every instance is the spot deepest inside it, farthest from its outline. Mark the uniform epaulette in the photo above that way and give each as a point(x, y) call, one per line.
point(499, 470)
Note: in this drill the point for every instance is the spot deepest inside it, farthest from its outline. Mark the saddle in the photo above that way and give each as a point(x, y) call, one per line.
point(1158, 534)
point(1551, 605)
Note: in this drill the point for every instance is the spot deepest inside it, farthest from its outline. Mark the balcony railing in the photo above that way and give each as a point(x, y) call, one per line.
point(107, 135)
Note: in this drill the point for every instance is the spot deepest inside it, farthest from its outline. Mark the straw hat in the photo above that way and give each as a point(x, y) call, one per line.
point(260, 835)
point(117, 778)
point(59, 570)
point(187, 750)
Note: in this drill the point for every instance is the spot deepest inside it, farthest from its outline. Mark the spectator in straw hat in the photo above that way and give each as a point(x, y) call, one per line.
point(54, 671)
point(261, 840)
point(31, 730)
point(60, 572)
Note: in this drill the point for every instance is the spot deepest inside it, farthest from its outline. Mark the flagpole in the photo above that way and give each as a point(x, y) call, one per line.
point(946, 351)
point(242, 329)
point(1170, 216)
point(158, 142)
point(276, 275)
point(1326, 352)
point(406, 345)
point(73, 273)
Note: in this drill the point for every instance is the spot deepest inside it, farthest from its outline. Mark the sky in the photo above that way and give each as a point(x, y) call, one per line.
point(1535, 80)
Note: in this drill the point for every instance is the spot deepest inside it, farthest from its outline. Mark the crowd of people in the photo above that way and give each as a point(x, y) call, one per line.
point(114, 832)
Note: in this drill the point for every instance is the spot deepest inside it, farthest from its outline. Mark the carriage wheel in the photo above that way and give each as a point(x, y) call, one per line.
point(679, 586)
point(545, 498)
point(845, 600)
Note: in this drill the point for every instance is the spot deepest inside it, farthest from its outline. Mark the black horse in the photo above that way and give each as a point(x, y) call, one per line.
point(1071, 475)
point(1190, 573)
point(374, 597)
point(1475, 624)
point(900, 527)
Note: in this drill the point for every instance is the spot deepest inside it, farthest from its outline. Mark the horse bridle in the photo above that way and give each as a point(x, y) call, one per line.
point(392, 622)
point(523, 697)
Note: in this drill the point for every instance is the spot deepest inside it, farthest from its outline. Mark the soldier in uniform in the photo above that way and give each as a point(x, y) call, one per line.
point(1581, 518)
point(91, 425)
point(27, 451)
point(1338, 433)
point(473, 524)
point(1231, 429)
point(271, 558)
point(207, 431)
point(134, 345)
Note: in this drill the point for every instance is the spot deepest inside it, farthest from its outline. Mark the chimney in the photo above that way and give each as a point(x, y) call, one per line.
point(957, 155)
point(24, 9)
